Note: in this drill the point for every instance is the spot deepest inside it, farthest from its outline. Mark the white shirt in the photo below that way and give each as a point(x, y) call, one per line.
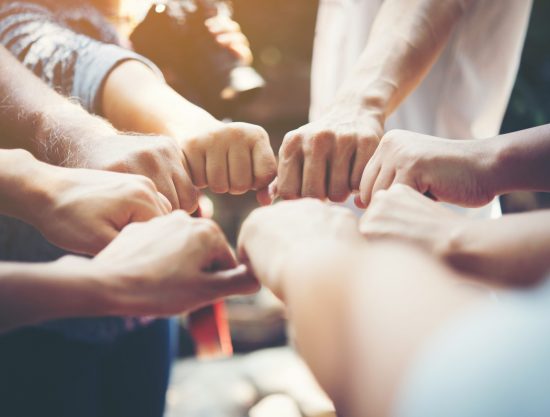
point(467, 90)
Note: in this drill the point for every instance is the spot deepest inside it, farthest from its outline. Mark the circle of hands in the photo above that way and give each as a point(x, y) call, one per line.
point(133, 214)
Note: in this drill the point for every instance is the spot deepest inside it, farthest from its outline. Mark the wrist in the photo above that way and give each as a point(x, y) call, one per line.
point(457, 246)
point(77, 287)
point(24, 185)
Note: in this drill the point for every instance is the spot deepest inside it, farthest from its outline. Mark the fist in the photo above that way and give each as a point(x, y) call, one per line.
point(172, 264)
point(452, 171)
point(271, 237)
point(325, 159)
point(230, 158)
point(401, 213)
point(157, 157)
point(86, 209)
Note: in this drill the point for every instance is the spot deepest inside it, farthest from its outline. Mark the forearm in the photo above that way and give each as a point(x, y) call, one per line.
point(521, 160)
point(32, 293)
point(513, 249)
point(359, 317)
point(36, 118)
point(406, 39)
point(154, 107)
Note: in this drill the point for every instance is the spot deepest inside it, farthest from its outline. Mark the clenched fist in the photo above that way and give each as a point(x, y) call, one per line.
point(156, 157)
point(325, 158)
point(170, 265)
point(453, 171)
point(230, 158)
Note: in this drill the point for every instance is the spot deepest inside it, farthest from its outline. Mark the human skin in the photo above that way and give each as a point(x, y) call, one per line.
point(76, 209)
point(513, 249)
point(326, 158)
point(225, 157)
point(469, 173)
point(358, 316)
point(169, 265)
point(54, 130)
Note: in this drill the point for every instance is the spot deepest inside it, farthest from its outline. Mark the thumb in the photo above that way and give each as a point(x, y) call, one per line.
point(237, 280)
point(164, 203)
point(263, 197)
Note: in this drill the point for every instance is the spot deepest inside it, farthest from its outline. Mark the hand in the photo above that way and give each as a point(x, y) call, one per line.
point(228, 34)
point(453, 171)
point(271, 237)
point(172, 264)
point(326, 158)
point(156, 157)
point(234, 157)
point(85, 210)
point(404, 214)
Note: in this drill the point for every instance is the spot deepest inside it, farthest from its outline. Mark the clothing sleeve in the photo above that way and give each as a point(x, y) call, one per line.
point(72, 63)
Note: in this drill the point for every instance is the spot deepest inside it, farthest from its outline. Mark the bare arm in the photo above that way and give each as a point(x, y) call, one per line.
point(359, 316)
point(405, 41)
point(514, 249)
point(189, 264)
point(467, 172)
point(36, 118)
point(235, 157)
point(31, 293)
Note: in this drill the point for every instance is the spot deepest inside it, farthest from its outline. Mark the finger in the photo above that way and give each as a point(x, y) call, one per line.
point(100, 241)
point(188, 195)
point(370, 173)
point(263, 197)
point(264, 164)
point(216, 171)
point(358, 202)
point(384, 180)
point(143, 212)
point(315, 176)
point(340, 170)
point(232, 281)
point(291, 158)
point(195, 163)
point(240, 169)
point(168, 189)
point(363, 153)
point(163, 203)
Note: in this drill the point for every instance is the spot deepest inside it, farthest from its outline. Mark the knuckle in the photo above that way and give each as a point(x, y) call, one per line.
point(292, 144)
point(338, 195)
point(288, 194)
point(180, 217)
point(206, 229)
point(219, 187)
point(319, 143)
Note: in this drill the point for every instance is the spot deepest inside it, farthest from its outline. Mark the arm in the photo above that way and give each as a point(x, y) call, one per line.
point(514, 249)
point(189, 264)
point(467, 172)
point(36, 118)
point(76, 209)
point(348, 300)
point(405, 41)
point(234, 157)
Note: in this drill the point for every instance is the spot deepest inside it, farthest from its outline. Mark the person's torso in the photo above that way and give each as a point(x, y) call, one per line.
point(466, 92)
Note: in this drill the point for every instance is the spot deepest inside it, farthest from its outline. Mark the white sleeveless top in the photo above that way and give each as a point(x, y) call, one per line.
point(467, 90)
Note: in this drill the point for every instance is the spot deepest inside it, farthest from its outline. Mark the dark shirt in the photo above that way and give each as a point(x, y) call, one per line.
point(73, 49)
